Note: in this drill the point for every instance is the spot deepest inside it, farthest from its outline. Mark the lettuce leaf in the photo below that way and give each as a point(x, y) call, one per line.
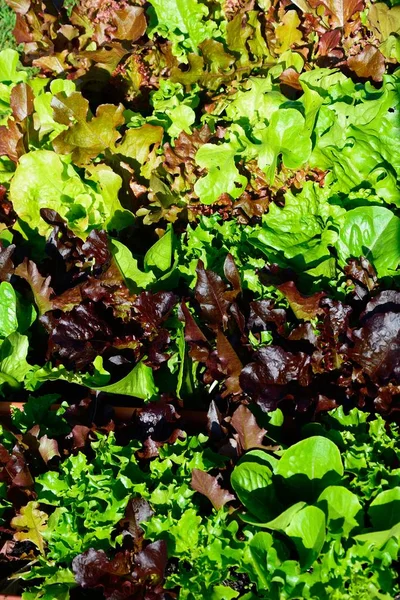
point(373, 232)
point(13, 364)
point(301, 232)
point(184, 22)
point(44, 179)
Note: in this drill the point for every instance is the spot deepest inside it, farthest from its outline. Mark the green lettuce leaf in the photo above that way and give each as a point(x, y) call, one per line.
point(9, 77)
point(8, 310)
point(183, 22)
point(44, 115)
point(302, 231)
point(223, 176)
point(128, 265)
point(13, 364)
point(44, 179)
point(373, 232)
point(258, 101)
point(15, 314)
point(139, 383)
point(160, 255)
point(286, 136)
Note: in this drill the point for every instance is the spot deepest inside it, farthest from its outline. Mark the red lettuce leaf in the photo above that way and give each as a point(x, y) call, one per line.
point(206, 484)
point(210, 292)
point(248, 433)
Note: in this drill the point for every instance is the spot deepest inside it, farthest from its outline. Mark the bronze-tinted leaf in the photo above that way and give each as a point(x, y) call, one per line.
point(130, 23)
point(87, 136)
point(79, 436)
point(199, 348)
point(21, 101)
point(250, 435)
point(11, 143)
point(206, 484)
point(340, 11)
point(48, 448)
point(304, 307)
point(290, 78)
point(69, 109)
point(21, 31)
point(363, 275)
point(370, 63)
point(6, 263)
point(384, 20)
point(138, 511)
point(230, 363)
point(232, 275)
point(287, 32)
point(52, 64)
point(210, 293)
point(328, 41)
point(193, 332)
point(20, 6)
point(30, 524)
point(137, 143)
point(40, 285)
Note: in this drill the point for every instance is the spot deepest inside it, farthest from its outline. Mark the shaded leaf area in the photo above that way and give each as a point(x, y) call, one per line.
point(86, 306)
point(312, 356)
point(219, 342)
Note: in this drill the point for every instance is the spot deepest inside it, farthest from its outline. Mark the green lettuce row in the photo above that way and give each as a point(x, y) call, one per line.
point(350, 131)
point(337, 535)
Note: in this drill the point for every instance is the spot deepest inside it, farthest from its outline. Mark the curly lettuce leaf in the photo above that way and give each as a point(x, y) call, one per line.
point(302, 231)
point(183, 22)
